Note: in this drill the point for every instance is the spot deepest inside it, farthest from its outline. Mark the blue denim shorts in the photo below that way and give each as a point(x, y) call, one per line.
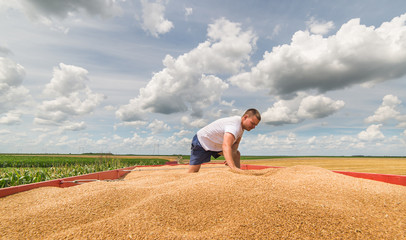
point(199, 155)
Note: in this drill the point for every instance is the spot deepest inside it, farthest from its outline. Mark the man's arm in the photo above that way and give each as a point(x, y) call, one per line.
point(236, 144)
point(228, 148)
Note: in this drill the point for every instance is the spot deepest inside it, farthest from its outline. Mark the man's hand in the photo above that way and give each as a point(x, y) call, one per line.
point(236, 170)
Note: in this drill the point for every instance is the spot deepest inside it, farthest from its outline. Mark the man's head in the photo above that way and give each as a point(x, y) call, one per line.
point(250, 119)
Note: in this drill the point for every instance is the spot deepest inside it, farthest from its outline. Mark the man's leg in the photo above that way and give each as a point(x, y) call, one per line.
point(197, 156)
point(194, 168)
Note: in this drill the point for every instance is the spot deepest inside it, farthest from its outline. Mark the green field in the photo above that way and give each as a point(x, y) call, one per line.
point(23, 169)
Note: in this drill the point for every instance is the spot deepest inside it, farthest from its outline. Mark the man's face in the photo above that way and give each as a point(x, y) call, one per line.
point(249, 123)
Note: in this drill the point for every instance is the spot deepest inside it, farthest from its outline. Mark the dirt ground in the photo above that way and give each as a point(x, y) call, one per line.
point(298, 202)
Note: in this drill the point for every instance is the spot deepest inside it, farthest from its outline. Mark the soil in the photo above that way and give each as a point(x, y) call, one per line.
point(299, 202)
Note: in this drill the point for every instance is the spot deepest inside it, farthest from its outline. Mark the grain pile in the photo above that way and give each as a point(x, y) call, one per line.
point(298, 202)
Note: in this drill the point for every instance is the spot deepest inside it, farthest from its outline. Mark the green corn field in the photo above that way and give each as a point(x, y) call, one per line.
point(16, 169)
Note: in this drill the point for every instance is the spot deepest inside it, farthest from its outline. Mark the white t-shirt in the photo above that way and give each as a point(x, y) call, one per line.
point(211, 137)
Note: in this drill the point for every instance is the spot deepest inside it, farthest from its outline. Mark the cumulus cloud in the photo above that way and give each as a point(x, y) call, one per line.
point(199, 123)
point(387, 111)
point(311, 140)
point(12, 93)
point(11, 74)
point(318, 107)
point(182, 133)
point(37, 9)
point(372, 133)
point(153, 19)
point(67, 79)
point(356, 54)
point(158, 126)
point(71, 97)
point(266, 139)
point(51, 13)
point(189, 81)
point(319, 27)
point(301, 108)
point(136, 141)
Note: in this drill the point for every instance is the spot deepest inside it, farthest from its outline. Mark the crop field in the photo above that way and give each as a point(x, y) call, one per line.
point(381, 165)
point(23, 169)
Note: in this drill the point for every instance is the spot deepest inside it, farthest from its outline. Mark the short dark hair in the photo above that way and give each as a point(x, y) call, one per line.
point(253, 112)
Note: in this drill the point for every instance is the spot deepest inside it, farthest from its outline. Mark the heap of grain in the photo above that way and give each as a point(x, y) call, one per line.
point(299, 202)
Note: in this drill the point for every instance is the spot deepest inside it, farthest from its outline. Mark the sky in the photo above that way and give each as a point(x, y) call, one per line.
point(143, 76)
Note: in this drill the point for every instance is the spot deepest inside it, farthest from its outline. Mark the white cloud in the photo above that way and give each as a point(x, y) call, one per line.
point(11, 118)
point(37, 9)
point(52, 13)
point(267, 140)
point(386, 111)
point(188, 11)
point(402, 121)
point(43, 130)
point(275, 32)
point(282, 112)
point(139, 142)
point(67, 79)
point(229, 104)
point(372, 133)
point(198, 123)
point(103, 141)
point(153, 19)
point(188, 82)
point(312, 140)
point(110, 108)
point(5, 132)
point(182, 133)
point(290, 139)
point(74, 126)
point(158, 126)
point(11, 74)
point(356, 54)
point(71, 96)
point(318, 107)
point(135, 124)
point(12, 93)
point(301, 108)
point(319, 27)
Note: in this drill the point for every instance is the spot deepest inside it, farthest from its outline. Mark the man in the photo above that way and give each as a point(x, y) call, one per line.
point(222, 137)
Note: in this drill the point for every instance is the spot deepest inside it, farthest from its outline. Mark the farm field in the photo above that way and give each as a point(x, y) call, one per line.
point(24, 169)
point(381, 165)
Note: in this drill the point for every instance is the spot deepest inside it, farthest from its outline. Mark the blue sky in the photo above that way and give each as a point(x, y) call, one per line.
point(141, 77)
